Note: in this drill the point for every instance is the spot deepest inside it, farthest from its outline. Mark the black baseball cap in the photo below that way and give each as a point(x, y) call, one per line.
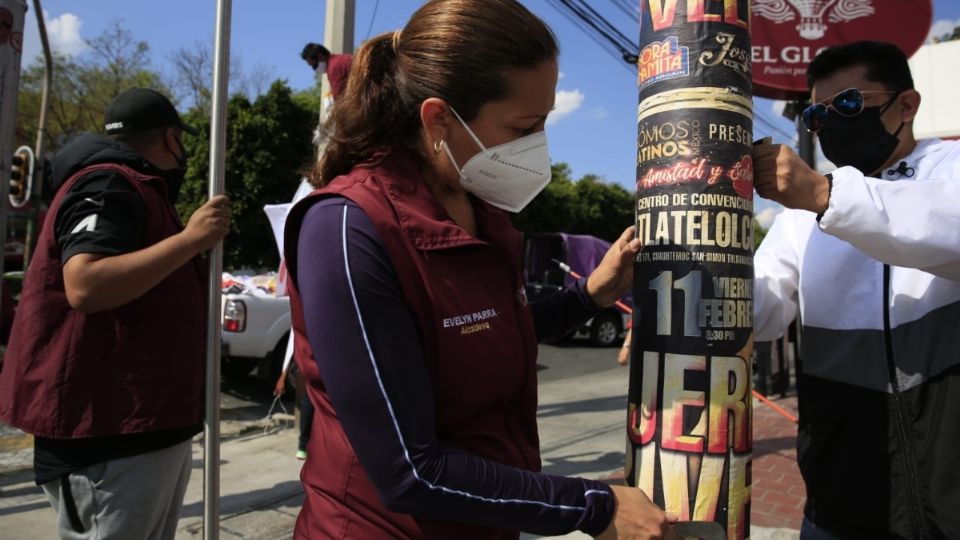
point(141, 109)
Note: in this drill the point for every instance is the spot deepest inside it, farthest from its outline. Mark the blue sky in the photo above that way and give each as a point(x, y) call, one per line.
point(595, 125)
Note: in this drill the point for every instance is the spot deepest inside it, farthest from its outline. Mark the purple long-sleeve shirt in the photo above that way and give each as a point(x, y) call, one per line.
point(374, 371)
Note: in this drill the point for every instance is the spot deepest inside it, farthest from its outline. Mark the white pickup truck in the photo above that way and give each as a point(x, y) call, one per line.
point(256, 322)
point(256, 327)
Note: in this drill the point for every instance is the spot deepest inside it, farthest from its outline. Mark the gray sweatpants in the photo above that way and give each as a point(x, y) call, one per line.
point(137, 497)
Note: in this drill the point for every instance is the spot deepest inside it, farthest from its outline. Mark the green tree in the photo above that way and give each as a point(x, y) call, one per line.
point(309, 99)
point(950, 36)
point(587, 206)
point(268, 143)
point(603, 209)
point(193, 76)
point(550, 210)
point(84, 86)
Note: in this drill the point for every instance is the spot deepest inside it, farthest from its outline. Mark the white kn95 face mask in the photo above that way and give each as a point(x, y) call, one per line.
point(509, 175)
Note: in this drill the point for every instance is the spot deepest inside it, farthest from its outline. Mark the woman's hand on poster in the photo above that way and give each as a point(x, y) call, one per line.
point(614, 275)
point(636, 517)
point(780, 175)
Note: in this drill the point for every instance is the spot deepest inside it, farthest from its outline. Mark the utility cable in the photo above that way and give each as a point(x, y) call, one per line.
point(596, 22)
point(630, 44)
point(625, 8)
point(774, 128)
point(614, 51)
point(372, 18)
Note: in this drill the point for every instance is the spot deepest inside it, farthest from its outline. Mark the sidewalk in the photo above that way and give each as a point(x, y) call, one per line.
point(581, 433)
point(260, 493)
point(778, 493)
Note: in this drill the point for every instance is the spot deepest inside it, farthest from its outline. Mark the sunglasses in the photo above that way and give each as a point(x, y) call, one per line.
point(847, 103)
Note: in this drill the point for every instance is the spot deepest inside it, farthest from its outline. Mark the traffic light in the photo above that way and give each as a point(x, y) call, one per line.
point(18, 176)
point(21, 176)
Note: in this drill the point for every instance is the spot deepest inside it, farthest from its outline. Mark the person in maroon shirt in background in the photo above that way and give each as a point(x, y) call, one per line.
point(413, 331)
point(336, 66)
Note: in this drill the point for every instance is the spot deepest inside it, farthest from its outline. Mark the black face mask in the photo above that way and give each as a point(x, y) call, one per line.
point(182, 158)
point(175, 176)
point(859, 141)
point(174, 179)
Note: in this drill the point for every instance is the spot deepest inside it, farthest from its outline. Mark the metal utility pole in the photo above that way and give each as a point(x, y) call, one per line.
point(689, 414)
point(218, 145)
point(36, 194)
point(806, 149)
point(338, 26)
point(12, 13)
point(338, 39)
point(805, 146)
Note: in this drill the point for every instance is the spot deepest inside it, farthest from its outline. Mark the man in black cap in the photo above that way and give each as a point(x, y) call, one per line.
point(105, 364)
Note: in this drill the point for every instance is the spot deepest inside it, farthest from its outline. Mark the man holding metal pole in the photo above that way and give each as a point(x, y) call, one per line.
point(105, 362)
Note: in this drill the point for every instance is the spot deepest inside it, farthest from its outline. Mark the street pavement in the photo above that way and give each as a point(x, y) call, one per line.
point(581, 418)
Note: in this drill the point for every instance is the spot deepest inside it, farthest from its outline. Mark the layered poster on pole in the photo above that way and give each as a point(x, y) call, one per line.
point(689, 416)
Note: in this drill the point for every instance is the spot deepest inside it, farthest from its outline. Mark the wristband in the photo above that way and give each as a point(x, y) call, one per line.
point(829, 192)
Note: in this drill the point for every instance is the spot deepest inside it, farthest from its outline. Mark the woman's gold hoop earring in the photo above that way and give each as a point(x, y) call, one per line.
point(438, 147)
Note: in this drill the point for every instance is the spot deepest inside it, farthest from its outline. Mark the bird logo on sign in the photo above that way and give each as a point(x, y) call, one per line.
point(812, 13)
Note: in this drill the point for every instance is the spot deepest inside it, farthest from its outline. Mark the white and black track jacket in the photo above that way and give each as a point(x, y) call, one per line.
point(877, 285)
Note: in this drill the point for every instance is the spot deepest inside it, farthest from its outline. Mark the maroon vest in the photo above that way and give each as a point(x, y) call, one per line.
point(477, 335)
point(133, 369)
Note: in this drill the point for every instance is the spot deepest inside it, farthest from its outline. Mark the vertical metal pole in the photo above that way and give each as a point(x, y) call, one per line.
point(218, 143)
point(689, 406)
point(36, 194)
point(807, 152)
point(12, 14)
point(338, 26)
point(806, 148)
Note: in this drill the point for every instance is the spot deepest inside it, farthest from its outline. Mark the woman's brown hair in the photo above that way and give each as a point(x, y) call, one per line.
point(457, 50)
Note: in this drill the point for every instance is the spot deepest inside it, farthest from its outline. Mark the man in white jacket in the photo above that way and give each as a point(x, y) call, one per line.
point(869, 256)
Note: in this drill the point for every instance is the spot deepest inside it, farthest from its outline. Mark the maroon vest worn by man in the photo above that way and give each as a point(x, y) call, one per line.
point(133, 369)
point(483, 373)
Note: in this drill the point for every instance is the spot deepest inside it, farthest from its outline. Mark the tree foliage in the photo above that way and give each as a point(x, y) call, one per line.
point(83, 87)
point(193, 76)
point(268, 144)
point(193, 70)
point(269, 141)
point(586, 206)
point(268, 137)
point(949, 36)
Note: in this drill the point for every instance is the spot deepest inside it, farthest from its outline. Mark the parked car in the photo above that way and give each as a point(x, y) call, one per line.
point(256, 327)
point(581, 253)
point(256, 323)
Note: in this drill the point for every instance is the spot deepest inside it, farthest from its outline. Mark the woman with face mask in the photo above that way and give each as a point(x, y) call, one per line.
point(413, 330)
